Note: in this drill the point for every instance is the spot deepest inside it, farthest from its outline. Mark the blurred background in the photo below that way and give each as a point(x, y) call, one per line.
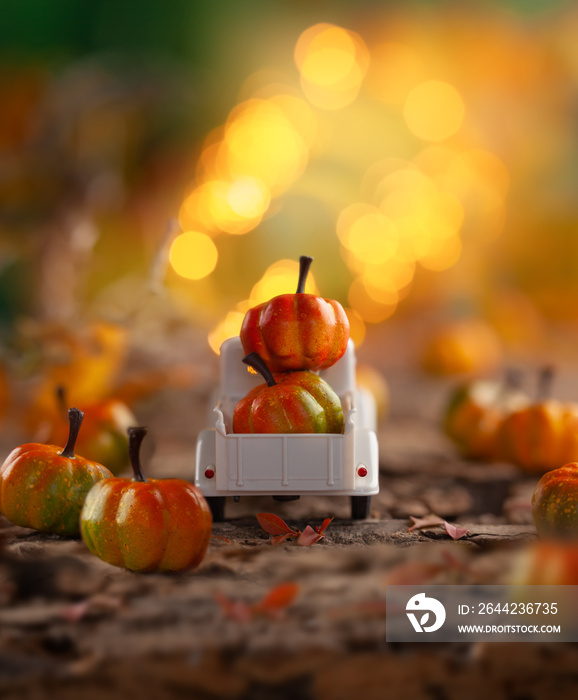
point(161, 171)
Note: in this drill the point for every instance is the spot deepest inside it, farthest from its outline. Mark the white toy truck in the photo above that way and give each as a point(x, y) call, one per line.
point(284, 465)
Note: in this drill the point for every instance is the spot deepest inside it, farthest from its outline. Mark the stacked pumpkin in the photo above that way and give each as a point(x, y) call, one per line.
point(287, 340)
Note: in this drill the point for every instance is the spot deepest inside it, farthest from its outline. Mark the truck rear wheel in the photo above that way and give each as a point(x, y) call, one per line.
point(217, 506)
point(360, 506)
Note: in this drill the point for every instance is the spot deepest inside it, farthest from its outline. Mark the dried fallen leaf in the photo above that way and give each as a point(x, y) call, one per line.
point(309, 537)
point(273, 604)
point(455, 531)
point(278, 599)
point(324, 525)
point(275, 525)
point(431, 520)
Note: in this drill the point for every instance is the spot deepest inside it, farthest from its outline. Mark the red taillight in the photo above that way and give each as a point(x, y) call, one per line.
point(209, 473)
point(361, 471)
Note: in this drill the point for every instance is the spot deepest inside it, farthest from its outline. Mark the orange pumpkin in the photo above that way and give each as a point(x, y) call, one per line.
point(555, 502)
point(547, 563)
point(543, 435)
point(296, 331)
point(288, 402)
point(146, 525)
point(475, 412)
point(43, 486)
point(104, 437)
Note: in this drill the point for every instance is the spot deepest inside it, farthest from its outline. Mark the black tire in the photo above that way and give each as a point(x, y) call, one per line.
point(217, 506)
point(360, 506)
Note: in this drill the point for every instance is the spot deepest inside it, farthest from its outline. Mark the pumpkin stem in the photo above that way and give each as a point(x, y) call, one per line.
point(545, 379)
point(304, 265)
point(75, 418)
point(135, 438)
point(257, 363)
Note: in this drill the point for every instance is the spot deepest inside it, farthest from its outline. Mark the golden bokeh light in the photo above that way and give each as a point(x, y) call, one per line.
point(332, 62)
point(444, 254)
point(367, 233)
point(397, 205)
point(299, 114)
point(218, 205)
point(193, 255)
point(248, 197)
point(261, 142)
point(397, 273)
point(434, 110)
point(474, 180)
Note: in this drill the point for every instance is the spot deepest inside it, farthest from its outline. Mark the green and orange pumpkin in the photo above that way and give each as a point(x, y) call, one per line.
point(146, 524)
point(44, 486)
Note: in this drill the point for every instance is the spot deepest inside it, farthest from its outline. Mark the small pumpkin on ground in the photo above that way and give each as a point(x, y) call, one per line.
point(477, 409)
point(555, 502)
point(146, 525)
point(542, 435)
point(44, 486)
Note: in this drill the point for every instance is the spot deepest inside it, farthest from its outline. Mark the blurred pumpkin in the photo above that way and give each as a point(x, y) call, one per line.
point(86, 361)
point(542, 435)
point(555, 502)
point(546, 563)
point(104, 438)
point(461, 347)
point(477, 409)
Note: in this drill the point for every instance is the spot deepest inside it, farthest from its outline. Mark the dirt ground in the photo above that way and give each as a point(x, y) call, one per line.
point(72, 626)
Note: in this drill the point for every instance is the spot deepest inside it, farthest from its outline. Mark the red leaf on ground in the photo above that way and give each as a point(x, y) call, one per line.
point(324, 525)
point(431, 520)
point(278, 599)
point(455, 531)
point(274, 525)
point(309, 537)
